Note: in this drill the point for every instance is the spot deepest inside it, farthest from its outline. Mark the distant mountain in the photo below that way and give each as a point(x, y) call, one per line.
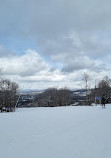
point(29, 91)
point(36, 91)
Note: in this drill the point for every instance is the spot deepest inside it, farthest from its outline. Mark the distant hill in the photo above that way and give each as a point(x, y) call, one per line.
point(35, 91)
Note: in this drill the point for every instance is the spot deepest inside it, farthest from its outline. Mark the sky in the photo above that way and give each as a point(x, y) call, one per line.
point(51, 43)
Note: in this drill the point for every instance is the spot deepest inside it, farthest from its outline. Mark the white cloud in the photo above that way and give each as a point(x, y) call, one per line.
point(25, 65)
point(30, 68)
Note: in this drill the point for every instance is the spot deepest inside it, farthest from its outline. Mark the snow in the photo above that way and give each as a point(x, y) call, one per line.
point(60, 132)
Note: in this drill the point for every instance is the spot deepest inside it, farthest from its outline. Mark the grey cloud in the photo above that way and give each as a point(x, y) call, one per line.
point(79, 63)
point(63, 30)
point(53, 18)
point(83, 63)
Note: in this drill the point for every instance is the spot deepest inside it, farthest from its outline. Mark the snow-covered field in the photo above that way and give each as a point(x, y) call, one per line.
point(61, 132)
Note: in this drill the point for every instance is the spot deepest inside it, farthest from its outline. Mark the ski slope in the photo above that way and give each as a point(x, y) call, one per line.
point(60, 132)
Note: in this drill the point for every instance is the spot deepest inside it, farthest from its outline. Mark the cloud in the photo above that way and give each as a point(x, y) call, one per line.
point(52, 19)
point(25, 65)
point(79, 63)
point(30, 67)
point(70, 36)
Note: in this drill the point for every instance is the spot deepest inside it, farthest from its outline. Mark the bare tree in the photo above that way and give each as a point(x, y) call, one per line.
point(8, 92)
point(104, 87)
point(86, 80)
point(53, 97)
point(64, 96)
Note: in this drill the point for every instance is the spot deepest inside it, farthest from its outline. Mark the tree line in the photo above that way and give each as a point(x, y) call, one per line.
point(8, 97)
point(56, 97)
point(101, 88)
point(62, 97)
point(53, 97)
